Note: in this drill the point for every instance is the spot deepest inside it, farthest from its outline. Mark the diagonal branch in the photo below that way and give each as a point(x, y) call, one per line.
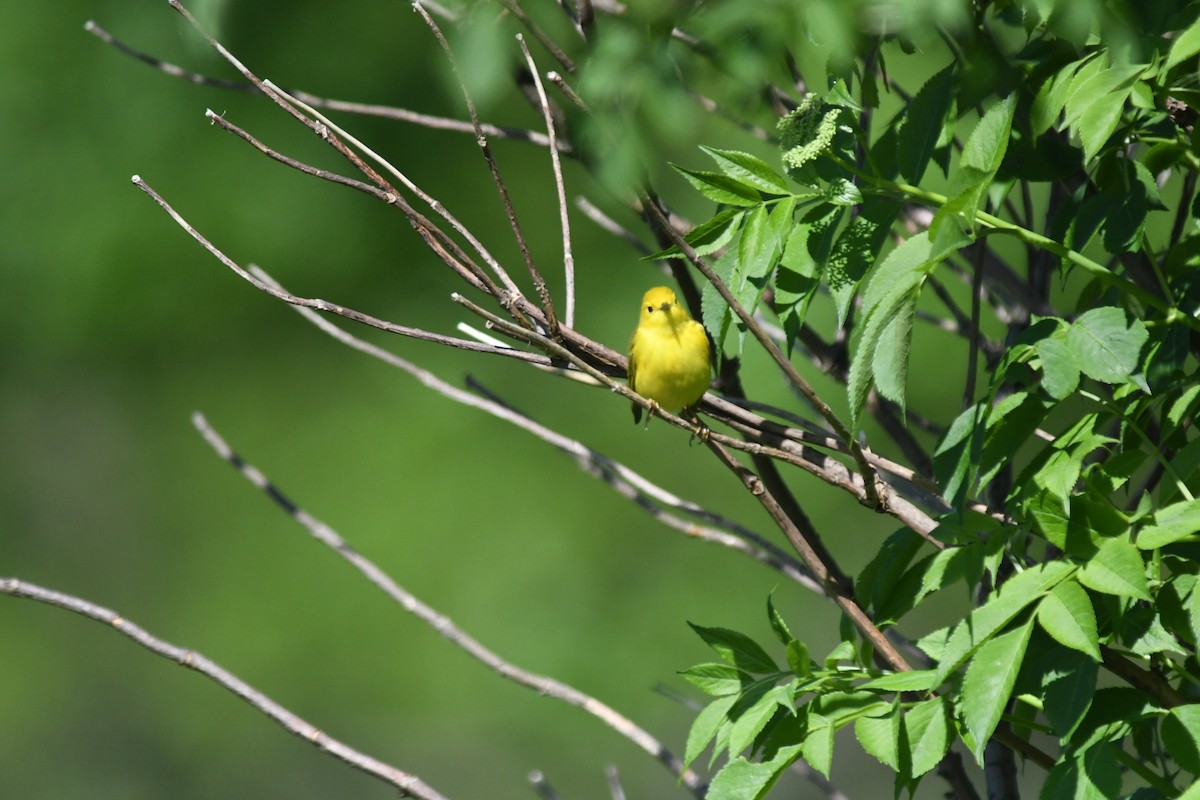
point(556, 165)
point(408, 784)
point(446, 627)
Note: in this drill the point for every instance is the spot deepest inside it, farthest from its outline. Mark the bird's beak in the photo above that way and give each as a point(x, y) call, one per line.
point(665, 307)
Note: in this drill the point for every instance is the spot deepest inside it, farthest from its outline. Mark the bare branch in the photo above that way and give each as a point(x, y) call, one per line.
point(407, 783)
point(443, 625)
point(326, 306)
point(539, 283)
point(363, 109)
point(556, 165)
point(515, 9)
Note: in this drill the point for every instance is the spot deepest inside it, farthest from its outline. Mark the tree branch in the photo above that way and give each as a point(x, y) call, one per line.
point(408, 784)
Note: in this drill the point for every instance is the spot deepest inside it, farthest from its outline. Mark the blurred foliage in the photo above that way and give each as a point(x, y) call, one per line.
point(119, 326)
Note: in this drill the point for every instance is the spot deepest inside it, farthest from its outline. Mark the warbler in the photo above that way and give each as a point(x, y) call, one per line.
point(668, 355)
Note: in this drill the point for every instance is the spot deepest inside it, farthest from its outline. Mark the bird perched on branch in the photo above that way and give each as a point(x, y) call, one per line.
point(668, 355)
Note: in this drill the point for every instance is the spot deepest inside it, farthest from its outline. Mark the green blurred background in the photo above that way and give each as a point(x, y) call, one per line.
point(117, 327)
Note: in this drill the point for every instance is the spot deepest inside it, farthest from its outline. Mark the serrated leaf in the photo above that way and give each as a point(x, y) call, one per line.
point(737, 648)
point(1105, 344)
point(917, 680)
point(892, 287)
point(1116, 568)
point(856, 249)
point(1068, 693)
point(705, 726)
point(777, 624)
point(758, 247)
point(1067, 615)
point(926, 729)
point(746, 780)
point(1171, 524)
point(1095, 104)
point(798, 658)
point(889, 362)
point(982, 623)
point(720, 188)
point(1185, 46)
point(923, 123)
point(748, 169)
point(717, 679)
point(985, 147)
point(1060, 368)
point(751, 721)
point(817, 747)
point(1181, 736)
point(1051, 98)
point(989, 682)
point(1094, 774)
point(707, 237)
point(879, 736)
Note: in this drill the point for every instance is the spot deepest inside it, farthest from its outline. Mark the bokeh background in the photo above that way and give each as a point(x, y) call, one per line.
point(117, 327)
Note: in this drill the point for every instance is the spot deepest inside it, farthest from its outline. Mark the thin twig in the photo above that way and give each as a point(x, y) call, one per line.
point(443, 625)
point(607, 223)
point(615, 790)
point(542, 786)
point(326, 306)
point(553, 49)
point(556, 165)
point(407, 783)
point(539, 282)
point(323, 130)
point(430, 121)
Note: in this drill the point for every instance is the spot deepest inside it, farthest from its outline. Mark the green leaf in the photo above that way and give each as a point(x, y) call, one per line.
point(777, 624)
point(817, 747)
point(1060, 367)
point(1171, 524)
point(889, 362)
point(746, 780)
point(989, 682)
point(737, 648)
point(1095, 105)
point(707, 237)
point(1094, 774)
point(758, 248)
point(856, 250)
point(1067, 615)
point(985, 147)
point(717, 679)
point(879, 736)
point(798, 658)
point(748, 169)
point(926, 729)
point(892, 288)
point(1185, 46)
point(1106, 346)
point(1181, 736)
point(1116, 568)
point(1051, 98)
point(705, 726)
point(1068, 692)
point(922, 124)
point(720, 188)
point(982, 623)
point(751, 721)
point(917, 680)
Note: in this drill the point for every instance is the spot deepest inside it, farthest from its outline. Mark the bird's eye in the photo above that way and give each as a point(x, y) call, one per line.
point(650, 309)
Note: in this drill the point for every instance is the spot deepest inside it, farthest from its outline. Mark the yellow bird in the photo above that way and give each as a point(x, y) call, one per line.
point(668, 354)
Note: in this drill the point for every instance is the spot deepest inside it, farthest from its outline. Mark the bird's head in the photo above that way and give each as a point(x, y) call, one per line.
point(660, 307)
